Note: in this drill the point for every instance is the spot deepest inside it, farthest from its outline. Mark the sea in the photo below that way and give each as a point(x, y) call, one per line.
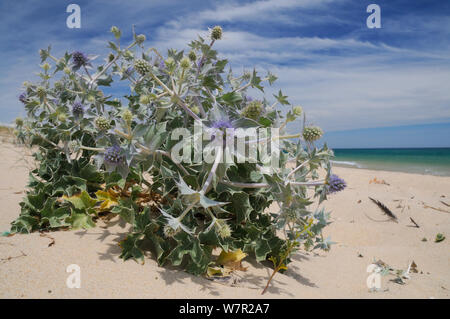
point(429, 161)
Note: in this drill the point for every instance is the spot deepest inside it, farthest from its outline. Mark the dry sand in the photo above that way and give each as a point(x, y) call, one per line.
point(31, 269)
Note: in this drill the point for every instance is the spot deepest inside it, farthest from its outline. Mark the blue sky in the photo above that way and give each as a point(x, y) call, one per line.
point(345, 75)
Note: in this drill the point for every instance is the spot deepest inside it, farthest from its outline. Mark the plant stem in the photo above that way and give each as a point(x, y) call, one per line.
point(213, 170)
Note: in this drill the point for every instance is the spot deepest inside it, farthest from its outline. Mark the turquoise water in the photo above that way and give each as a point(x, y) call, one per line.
point(431, 161)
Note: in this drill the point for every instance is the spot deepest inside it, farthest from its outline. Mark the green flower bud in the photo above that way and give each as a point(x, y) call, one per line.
point(170, 62)
point(192, 56)
point(312, 133)
point(222, 228)
point(91, 98)
point(127, 116)
point(185, 63)
point(144, 99)
point(45, 66)
point(195, 109)
point(102, 124)
point(67, 70)
point(216, 33)
point(19, 121)
point(253, 110)
point(297, 110)
point(62, 117)
point(74, 146)
point(41, 92)
point(169, 232)
point(111, 57)
point(116, 31)
point(140, 38)
point(141, 66)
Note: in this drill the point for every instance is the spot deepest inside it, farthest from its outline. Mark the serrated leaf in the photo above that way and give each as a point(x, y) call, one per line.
point(79, 219)
point(109, 199)
point(81, 201)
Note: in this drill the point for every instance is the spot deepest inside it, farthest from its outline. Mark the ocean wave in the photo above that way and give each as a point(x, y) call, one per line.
point(346, 163)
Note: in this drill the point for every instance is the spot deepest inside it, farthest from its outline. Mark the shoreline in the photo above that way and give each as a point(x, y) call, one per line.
point(339, 165)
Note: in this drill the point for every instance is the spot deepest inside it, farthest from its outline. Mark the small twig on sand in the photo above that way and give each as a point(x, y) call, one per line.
point(448, 205)
point(52, 240)
point(414, 222)
point(435, 208)
point(4, 260)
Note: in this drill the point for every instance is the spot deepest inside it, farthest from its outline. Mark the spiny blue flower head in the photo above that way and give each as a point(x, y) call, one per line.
point(79, 59)
point(336, 184)
point(23, 98)
point(113, 155)
point(77, 109)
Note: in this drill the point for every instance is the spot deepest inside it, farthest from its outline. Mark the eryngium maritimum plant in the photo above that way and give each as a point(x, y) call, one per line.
point(99, 153)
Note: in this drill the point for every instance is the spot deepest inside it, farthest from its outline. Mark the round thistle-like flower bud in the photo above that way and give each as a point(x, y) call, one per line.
point(77, 109)
point(312, 133)
point(67, 70)
point(74, 146)
point(216, 33)
point(253, 110)
point(195, 109)
point(91, 98)
point(170, 62)
point(19, 121)
point(41, 92)
point(62, 117)
point(140, 38)
point(127, 116)
point(116, 31)
point(141, 66)
point(169, 232)
point(224, 230)
point(192, 56)
point(297, 110)
point(185, 63)
point(335, 184)
point(145, 99)
point(113, 155)
point(102, 124)
point(45, 66)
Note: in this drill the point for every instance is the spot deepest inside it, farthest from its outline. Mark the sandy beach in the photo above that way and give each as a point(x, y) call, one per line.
point(30, 268)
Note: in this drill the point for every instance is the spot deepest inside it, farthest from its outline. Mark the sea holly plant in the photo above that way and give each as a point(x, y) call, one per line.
point(188, 157)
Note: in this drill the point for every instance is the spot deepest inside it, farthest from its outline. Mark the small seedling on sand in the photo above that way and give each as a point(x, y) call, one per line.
point(439, 237)
point(101, 154)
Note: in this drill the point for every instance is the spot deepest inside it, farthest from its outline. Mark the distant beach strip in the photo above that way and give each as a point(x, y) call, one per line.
point(429, 161)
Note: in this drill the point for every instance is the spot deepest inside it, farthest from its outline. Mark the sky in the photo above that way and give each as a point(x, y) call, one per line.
point(346, 76)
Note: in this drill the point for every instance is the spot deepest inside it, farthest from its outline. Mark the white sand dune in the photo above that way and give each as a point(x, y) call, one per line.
point(31, 269)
